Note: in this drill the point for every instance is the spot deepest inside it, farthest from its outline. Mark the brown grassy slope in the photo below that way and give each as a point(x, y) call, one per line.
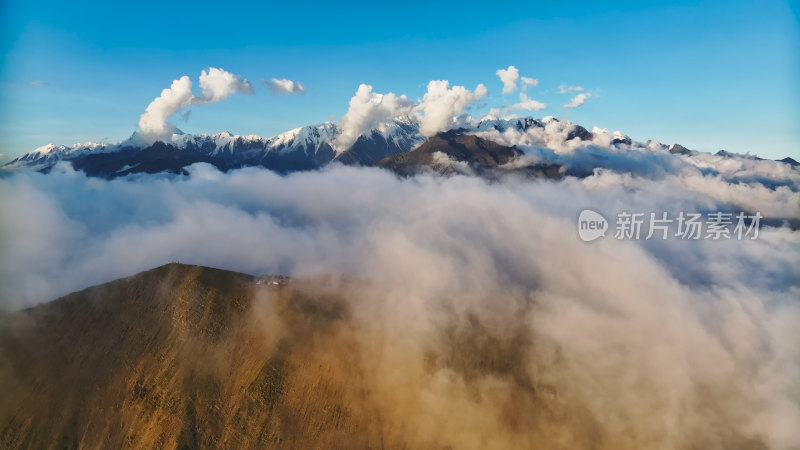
point(482, 156)
point(192, 357)
point(479, 153)
point(170, 358)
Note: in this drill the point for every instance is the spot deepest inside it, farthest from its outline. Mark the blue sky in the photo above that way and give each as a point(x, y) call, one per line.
point(707, 74)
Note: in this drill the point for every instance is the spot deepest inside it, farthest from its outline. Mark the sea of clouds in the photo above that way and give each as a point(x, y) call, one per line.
point(661, 342)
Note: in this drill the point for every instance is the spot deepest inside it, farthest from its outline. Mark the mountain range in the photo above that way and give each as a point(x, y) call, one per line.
point(398, 145)
point(304, 148)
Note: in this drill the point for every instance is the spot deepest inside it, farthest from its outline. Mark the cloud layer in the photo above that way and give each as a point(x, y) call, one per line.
point(623, 344)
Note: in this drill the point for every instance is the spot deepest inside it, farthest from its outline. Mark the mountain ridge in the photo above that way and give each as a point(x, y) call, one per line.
point(313, 147)
point(304, 148)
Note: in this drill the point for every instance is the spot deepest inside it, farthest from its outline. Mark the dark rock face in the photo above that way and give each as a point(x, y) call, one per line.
point(479, 154)
point(159, 157)
point(580, 133)
point(625, 140)
point(300, 156)
point(528, 122)
point(724, 153)
point(309, 158)
point(679, 149)
point(790, 161)
point(452, 153)
point(369, 150)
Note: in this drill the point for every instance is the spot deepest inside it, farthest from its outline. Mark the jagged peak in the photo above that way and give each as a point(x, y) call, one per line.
point(45, 149)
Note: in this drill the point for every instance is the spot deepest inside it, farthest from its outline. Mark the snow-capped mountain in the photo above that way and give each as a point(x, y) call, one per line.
point(47, 155)
point(303, 148)
point(548, 141)
point(310, 146)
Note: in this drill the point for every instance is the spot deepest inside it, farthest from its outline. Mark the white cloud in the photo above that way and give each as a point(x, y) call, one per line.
point(284, 86)
point(526, 104)
point(441, 104)
point(215, 85)
point(153, 123)
point(38, 83)
point(564, 89)
point(367, 110)
point(493, 114)
point(528, 82)
point(509, 78)
point(578, 100)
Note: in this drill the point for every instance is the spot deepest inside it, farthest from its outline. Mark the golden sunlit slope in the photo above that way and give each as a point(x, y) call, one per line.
point(192, 357)
point(173, 357)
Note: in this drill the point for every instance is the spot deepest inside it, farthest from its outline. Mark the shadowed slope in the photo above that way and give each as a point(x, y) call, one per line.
point(453, 152)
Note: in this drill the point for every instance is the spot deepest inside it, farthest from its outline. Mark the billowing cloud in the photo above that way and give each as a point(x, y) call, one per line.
point(284, 86)
point(367, 110)
point(509, 78)
point(153, 123)
point(526, 104)
point(442, 104)
point(528, 82)
point(564, 89)
point(578, 100)
point(215, 85)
